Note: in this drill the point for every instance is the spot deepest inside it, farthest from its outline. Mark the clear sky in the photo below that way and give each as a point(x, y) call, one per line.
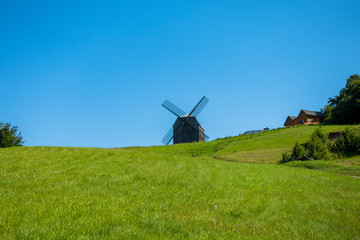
point(94, 73)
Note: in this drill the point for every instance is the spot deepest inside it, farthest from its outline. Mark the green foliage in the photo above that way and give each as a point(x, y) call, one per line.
point(298, 150)
point(286, 157)
point(317, 147)
point(320, 147)
point(348, 143)
point(9, 136)
point(345, 108)
point(299, 153)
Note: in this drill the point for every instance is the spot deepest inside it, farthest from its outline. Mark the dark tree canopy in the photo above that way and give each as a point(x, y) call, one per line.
point(345, 108)
point(9, 136)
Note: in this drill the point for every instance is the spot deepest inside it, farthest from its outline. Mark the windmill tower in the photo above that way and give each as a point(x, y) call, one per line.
point(186, 127)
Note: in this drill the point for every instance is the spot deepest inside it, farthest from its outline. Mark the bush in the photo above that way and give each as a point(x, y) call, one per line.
point(9, 136)
point(318, 146)
point(286, 157)
point(348, 143)
point(299, 153)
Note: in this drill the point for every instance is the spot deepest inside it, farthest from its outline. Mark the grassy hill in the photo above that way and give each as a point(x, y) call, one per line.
point(220, 189)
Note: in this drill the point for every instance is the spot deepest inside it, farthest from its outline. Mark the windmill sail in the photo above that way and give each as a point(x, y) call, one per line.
point(169, 135)
point(198, 107)
point(172, 108)
point(186, 128)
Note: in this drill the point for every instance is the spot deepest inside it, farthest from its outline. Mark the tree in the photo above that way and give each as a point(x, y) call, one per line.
point(345, 108)
point(9, 136)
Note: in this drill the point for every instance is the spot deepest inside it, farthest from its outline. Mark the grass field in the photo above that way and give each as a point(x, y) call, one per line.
point(225, 189)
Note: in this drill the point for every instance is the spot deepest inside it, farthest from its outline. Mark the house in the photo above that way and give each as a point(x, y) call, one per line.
point(256, 131)
point(252, 132)
point(305, 117)
point(290, 121)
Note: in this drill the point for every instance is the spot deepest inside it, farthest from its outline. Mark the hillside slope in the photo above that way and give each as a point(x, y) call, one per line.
point(265, 147)
point(172, 192)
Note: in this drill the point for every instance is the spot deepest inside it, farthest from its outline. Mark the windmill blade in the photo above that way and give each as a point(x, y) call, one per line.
point(198, 107)
point(173, 108)
point(169, 135)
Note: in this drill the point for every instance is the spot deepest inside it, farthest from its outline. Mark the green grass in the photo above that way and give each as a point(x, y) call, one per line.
point(185, 191)
point(348, 166)
point(265, 147)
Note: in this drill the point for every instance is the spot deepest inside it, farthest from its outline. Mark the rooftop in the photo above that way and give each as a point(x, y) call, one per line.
point(313, 113)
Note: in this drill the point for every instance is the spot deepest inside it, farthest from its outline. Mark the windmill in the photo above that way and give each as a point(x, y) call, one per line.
point(186, 127)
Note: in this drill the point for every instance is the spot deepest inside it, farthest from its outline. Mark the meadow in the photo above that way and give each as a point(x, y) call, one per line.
point(228, 188)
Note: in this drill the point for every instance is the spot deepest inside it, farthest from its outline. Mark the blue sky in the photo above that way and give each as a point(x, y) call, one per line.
point(94, 73)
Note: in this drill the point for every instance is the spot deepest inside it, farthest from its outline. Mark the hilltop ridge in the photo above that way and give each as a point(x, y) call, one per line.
point(264, 147)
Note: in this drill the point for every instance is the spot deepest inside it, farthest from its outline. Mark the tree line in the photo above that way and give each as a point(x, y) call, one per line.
point(345, 107)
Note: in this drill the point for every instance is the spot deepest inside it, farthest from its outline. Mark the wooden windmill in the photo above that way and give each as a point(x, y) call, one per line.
point(186, 127)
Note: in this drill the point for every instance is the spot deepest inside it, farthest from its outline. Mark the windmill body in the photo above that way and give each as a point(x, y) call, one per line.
point(192, 132)
point(186, 127)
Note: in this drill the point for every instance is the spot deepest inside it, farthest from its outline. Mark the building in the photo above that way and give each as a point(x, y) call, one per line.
point(191, 131)
point(252, 132)
point(305, 117)
point(290, 121)
point(256, 131)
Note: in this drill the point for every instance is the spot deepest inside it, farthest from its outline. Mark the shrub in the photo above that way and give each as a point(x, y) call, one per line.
point(299, 153)
point(286, 157)
point(9, 136)
point(318, 146)
point(348, 143)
